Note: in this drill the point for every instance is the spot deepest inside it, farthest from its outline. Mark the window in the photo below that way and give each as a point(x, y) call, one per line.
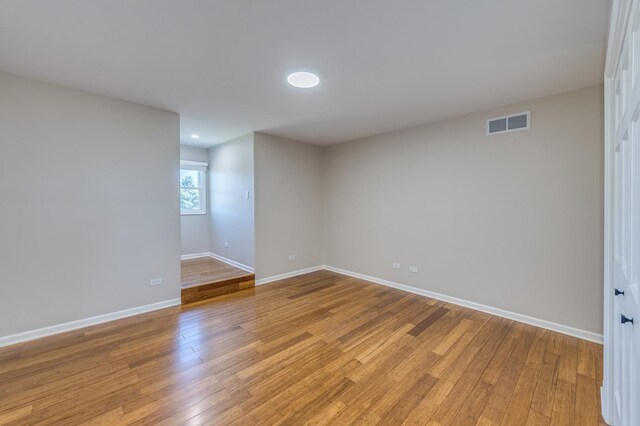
point(193, 194)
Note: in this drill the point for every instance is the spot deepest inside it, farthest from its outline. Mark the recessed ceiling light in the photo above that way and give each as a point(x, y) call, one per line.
point(303, 79)
point(194, 136)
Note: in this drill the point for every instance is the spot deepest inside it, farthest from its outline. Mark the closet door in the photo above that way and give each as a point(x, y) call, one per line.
point(626, 231)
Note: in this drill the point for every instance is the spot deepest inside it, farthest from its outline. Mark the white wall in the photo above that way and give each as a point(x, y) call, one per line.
point(512, 221)
point(231, 214)
point(194, 228)
point(289, 205)
point(89, 190)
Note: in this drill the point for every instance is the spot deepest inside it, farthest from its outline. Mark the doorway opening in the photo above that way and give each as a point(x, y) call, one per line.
point(217, 225)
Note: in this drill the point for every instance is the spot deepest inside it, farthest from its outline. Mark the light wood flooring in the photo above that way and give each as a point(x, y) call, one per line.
point(204, 278)
point(320, 348)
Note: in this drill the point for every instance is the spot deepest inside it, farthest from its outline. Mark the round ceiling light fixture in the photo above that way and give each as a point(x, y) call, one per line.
point(195, 136)
point(303, 79)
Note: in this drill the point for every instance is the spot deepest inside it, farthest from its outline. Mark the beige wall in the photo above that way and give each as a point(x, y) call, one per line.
point(289, 205)
point(194, 228)
point(231, 213)
point(513, 221)
point(89, 194)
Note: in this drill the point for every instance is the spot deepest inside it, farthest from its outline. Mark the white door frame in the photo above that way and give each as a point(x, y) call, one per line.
point(606, 394)
point(619, 19)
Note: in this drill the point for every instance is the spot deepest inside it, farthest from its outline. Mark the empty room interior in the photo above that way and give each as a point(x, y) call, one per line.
point(241, 212)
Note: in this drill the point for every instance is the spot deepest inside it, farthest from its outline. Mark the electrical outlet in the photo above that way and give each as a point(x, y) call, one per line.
point(292, 256)
point(396, 265)
point(226, 244)
point(413, 269)
point(246, 195)
point(155, 281)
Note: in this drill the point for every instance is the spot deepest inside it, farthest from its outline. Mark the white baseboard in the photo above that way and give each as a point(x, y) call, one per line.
point(230, 262)
point(268, 280)
point(74, 325)
point(194, 256)
point(560, 328)
point(217, 257)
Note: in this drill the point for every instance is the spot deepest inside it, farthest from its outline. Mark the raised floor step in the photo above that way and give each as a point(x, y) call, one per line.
point(226, 286)
point(205, 277)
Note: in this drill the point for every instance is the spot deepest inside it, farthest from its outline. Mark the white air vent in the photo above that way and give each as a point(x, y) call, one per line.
point(509, 123)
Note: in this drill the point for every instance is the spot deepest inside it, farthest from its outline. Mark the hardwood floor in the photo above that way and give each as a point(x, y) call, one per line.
point(204, 278)
point(320, 348)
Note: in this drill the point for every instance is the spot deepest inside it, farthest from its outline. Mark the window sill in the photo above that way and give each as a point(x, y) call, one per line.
point(193, 213)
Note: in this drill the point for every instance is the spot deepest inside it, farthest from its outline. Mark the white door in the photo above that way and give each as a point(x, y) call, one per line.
point(626, 238)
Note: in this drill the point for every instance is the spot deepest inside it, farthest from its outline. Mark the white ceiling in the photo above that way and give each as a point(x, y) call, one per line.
point(383, 64)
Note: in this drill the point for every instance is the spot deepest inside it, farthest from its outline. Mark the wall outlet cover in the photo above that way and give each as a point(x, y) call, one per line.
point(155, 281)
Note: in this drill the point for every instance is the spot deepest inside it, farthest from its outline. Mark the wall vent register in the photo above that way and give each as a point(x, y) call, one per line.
point(509, 123)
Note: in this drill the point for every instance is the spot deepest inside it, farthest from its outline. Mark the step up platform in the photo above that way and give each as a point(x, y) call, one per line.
point(204, 278)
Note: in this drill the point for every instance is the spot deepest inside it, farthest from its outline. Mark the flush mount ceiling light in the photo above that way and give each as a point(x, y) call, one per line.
point(194, 136)
point(303, 79)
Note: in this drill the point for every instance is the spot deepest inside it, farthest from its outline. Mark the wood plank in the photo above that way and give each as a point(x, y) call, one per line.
point(499, 400)
point(542, 402)
point(427, 322)
point(585, 411)
point(586, 364)
point(15, 415)
point(518, 409)
point(569, 360)
point(466, 383)
point(564, 404)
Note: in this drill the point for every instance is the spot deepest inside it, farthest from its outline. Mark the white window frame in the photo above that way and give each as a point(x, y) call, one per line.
point(201, 168)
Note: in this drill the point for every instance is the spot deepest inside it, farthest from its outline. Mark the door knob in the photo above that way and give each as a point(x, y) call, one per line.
point(617, 292)
point(625, 320)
